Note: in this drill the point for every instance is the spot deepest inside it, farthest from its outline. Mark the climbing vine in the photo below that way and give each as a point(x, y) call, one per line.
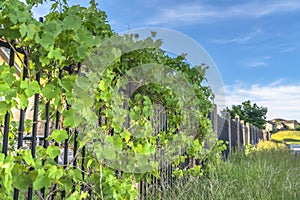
point(63, 48)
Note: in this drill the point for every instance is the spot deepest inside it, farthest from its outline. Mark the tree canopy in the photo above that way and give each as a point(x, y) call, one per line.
point(252, 113)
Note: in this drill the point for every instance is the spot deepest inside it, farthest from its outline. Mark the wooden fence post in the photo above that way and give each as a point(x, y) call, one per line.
point(242, 123)
point(228, 118)
point(237, 119)
point(248, 133)
point(251, 133)
point(264, 135)
point(255, 134)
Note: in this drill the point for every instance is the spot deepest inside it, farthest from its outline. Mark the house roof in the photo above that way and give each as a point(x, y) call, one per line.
point(283, 120)
point(278, 119)
point(270, 122)
point(291, 121)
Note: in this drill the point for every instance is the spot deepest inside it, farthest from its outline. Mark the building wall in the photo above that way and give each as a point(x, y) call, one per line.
point(291, 125)
point(269, 127)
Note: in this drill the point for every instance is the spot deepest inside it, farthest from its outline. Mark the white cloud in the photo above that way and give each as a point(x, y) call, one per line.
point(239, 39)
point(287, 49)
point(261, 61)
point(257, 64)
point(281, 99)
point(261, 9)
point(198, 13)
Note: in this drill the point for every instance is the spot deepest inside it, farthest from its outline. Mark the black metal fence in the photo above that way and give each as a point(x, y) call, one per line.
point(40, 129)
point(235, 132)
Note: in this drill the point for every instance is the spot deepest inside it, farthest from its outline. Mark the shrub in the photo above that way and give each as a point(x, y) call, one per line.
point(270, 145)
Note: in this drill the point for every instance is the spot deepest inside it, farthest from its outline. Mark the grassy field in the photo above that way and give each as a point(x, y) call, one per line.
point(269, 172)
point(288, 137)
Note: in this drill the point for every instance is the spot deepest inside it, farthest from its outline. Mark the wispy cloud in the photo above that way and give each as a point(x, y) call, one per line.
point(260, 9)
point(261, 61)
point(239, 39)
point(287, 49)
point(281, 99)
point(183, 13)
point(257, 64)
point(199, 13)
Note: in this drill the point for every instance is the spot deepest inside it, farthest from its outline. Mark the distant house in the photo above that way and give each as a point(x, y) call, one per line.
point(280, 124)
point(270, 126)
point(291, 124)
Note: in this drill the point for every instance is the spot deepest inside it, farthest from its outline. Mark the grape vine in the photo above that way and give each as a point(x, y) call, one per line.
point(64, 39)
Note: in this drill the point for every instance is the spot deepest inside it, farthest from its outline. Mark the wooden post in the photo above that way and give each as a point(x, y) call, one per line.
point(248, 133)
point(228, 118)
point(237, 119)
point(252, 141)
point(255, 135)
point(264, 135)
point(269, 135)
point(242, 123)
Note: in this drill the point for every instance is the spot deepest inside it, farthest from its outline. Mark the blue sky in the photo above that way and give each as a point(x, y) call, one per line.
point(255, 44)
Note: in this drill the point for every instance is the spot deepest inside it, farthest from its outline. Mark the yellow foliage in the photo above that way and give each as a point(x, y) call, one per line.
point(269, 145)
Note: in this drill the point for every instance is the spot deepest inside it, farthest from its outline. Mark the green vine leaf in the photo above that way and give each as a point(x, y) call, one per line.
point(72, 22)
point(69, 118)
point(50, 91)
point(55, 172)
point(58, 135)
point(126, 135)
point(41, 180)
point(29, 30)
point(28, 158)
point(30, 87)
point(23, 101)
point(53, 151)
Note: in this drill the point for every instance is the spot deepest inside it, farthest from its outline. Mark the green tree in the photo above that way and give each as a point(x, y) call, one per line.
point(249, 112)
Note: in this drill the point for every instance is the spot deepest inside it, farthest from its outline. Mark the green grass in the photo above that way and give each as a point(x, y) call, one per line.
point(263, 174)
point(288, 137)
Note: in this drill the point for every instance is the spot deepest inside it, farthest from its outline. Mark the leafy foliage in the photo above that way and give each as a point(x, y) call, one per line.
point(248, 112)
point(64, 40)
point(270, 145)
